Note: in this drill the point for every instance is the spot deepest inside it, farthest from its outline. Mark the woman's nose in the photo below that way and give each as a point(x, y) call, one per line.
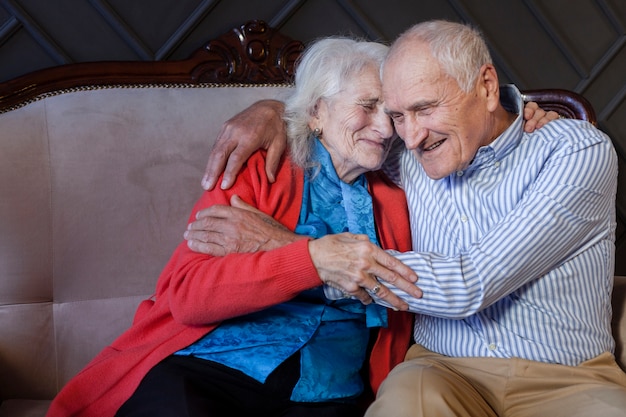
point(382, 124)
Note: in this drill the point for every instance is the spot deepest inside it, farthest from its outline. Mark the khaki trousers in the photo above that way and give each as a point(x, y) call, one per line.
point(429, 384)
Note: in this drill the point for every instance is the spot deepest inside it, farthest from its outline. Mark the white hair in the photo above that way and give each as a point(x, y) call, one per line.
point(460, 49)
point(321, 72)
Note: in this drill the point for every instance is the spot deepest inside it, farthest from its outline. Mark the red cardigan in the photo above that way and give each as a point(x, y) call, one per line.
point(195, 292)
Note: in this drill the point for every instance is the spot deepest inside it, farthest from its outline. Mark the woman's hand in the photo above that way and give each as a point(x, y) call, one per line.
point(535, 117)
point(354, 265)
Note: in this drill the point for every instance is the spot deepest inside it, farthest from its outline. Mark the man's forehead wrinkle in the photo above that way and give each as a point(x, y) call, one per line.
point(420, 98)
point(409, 75)
point(422, 104)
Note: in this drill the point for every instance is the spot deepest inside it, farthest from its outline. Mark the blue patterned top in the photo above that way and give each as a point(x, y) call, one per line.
point(331, 336)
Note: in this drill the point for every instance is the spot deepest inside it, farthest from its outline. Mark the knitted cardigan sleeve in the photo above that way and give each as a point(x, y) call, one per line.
point(204, 289)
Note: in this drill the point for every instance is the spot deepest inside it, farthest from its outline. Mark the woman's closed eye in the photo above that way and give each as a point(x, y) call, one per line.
point(369, 105)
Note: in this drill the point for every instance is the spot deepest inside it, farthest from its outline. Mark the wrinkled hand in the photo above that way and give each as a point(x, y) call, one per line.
point(259, 126)
point(351, 264)
point(536, 117)
point(239, 228)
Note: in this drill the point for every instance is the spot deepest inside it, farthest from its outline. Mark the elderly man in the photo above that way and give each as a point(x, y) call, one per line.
point(513, 243)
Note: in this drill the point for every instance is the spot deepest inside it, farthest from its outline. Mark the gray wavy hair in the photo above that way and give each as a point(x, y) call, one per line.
point(321, 72)
point(460, 49)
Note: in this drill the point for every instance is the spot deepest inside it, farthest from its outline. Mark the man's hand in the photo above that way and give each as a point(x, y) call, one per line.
point(536, 117)
point(239, 228)
point(259, 126)
point(351, 263)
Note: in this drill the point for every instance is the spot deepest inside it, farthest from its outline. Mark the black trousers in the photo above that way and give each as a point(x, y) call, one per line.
point(183, 386)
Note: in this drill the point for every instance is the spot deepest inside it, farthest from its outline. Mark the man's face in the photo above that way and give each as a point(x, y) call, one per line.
point(441, 124)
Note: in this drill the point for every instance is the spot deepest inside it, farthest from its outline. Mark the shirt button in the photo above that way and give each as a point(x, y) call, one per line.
point(464, 218)
point(492, 346)
point(459, 173)
point(496, 164)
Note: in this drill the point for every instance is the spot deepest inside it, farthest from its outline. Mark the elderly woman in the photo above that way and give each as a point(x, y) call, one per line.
point(254, 333)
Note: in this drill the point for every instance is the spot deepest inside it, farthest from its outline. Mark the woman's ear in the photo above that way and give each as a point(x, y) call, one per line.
point(314, 119)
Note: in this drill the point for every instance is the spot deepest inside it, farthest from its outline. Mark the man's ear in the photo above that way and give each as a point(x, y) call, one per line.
point(488, 80)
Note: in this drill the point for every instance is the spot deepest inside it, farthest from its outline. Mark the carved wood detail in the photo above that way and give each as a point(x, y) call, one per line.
point(253, 53)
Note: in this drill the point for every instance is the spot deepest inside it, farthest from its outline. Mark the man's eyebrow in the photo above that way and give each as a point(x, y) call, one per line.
point(417, 106)
point(421, 105)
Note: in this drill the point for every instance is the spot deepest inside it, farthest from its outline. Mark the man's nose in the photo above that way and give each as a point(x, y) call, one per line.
point(412, 133)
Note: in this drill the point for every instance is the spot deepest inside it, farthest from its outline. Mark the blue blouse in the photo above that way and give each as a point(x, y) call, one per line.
point(331, 336)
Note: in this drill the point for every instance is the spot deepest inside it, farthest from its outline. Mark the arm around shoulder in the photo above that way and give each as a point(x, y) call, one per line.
point(260, 126)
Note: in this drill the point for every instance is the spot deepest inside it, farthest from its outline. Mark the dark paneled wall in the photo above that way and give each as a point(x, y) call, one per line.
point(573, 44)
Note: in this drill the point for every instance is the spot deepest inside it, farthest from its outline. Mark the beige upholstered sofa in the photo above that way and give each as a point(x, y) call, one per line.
point(99, 167)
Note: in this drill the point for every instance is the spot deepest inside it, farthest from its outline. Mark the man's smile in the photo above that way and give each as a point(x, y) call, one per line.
point(434, 145)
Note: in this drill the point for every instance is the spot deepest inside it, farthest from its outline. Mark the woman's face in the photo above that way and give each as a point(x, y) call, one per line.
point(355, 130)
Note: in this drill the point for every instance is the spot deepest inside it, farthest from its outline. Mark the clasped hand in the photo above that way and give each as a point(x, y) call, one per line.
point(348, 262)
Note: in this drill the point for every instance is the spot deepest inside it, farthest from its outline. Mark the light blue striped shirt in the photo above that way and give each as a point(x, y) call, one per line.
point(515, 254)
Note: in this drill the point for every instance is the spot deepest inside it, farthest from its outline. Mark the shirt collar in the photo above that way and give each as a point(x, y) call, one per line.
point(511, 100)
